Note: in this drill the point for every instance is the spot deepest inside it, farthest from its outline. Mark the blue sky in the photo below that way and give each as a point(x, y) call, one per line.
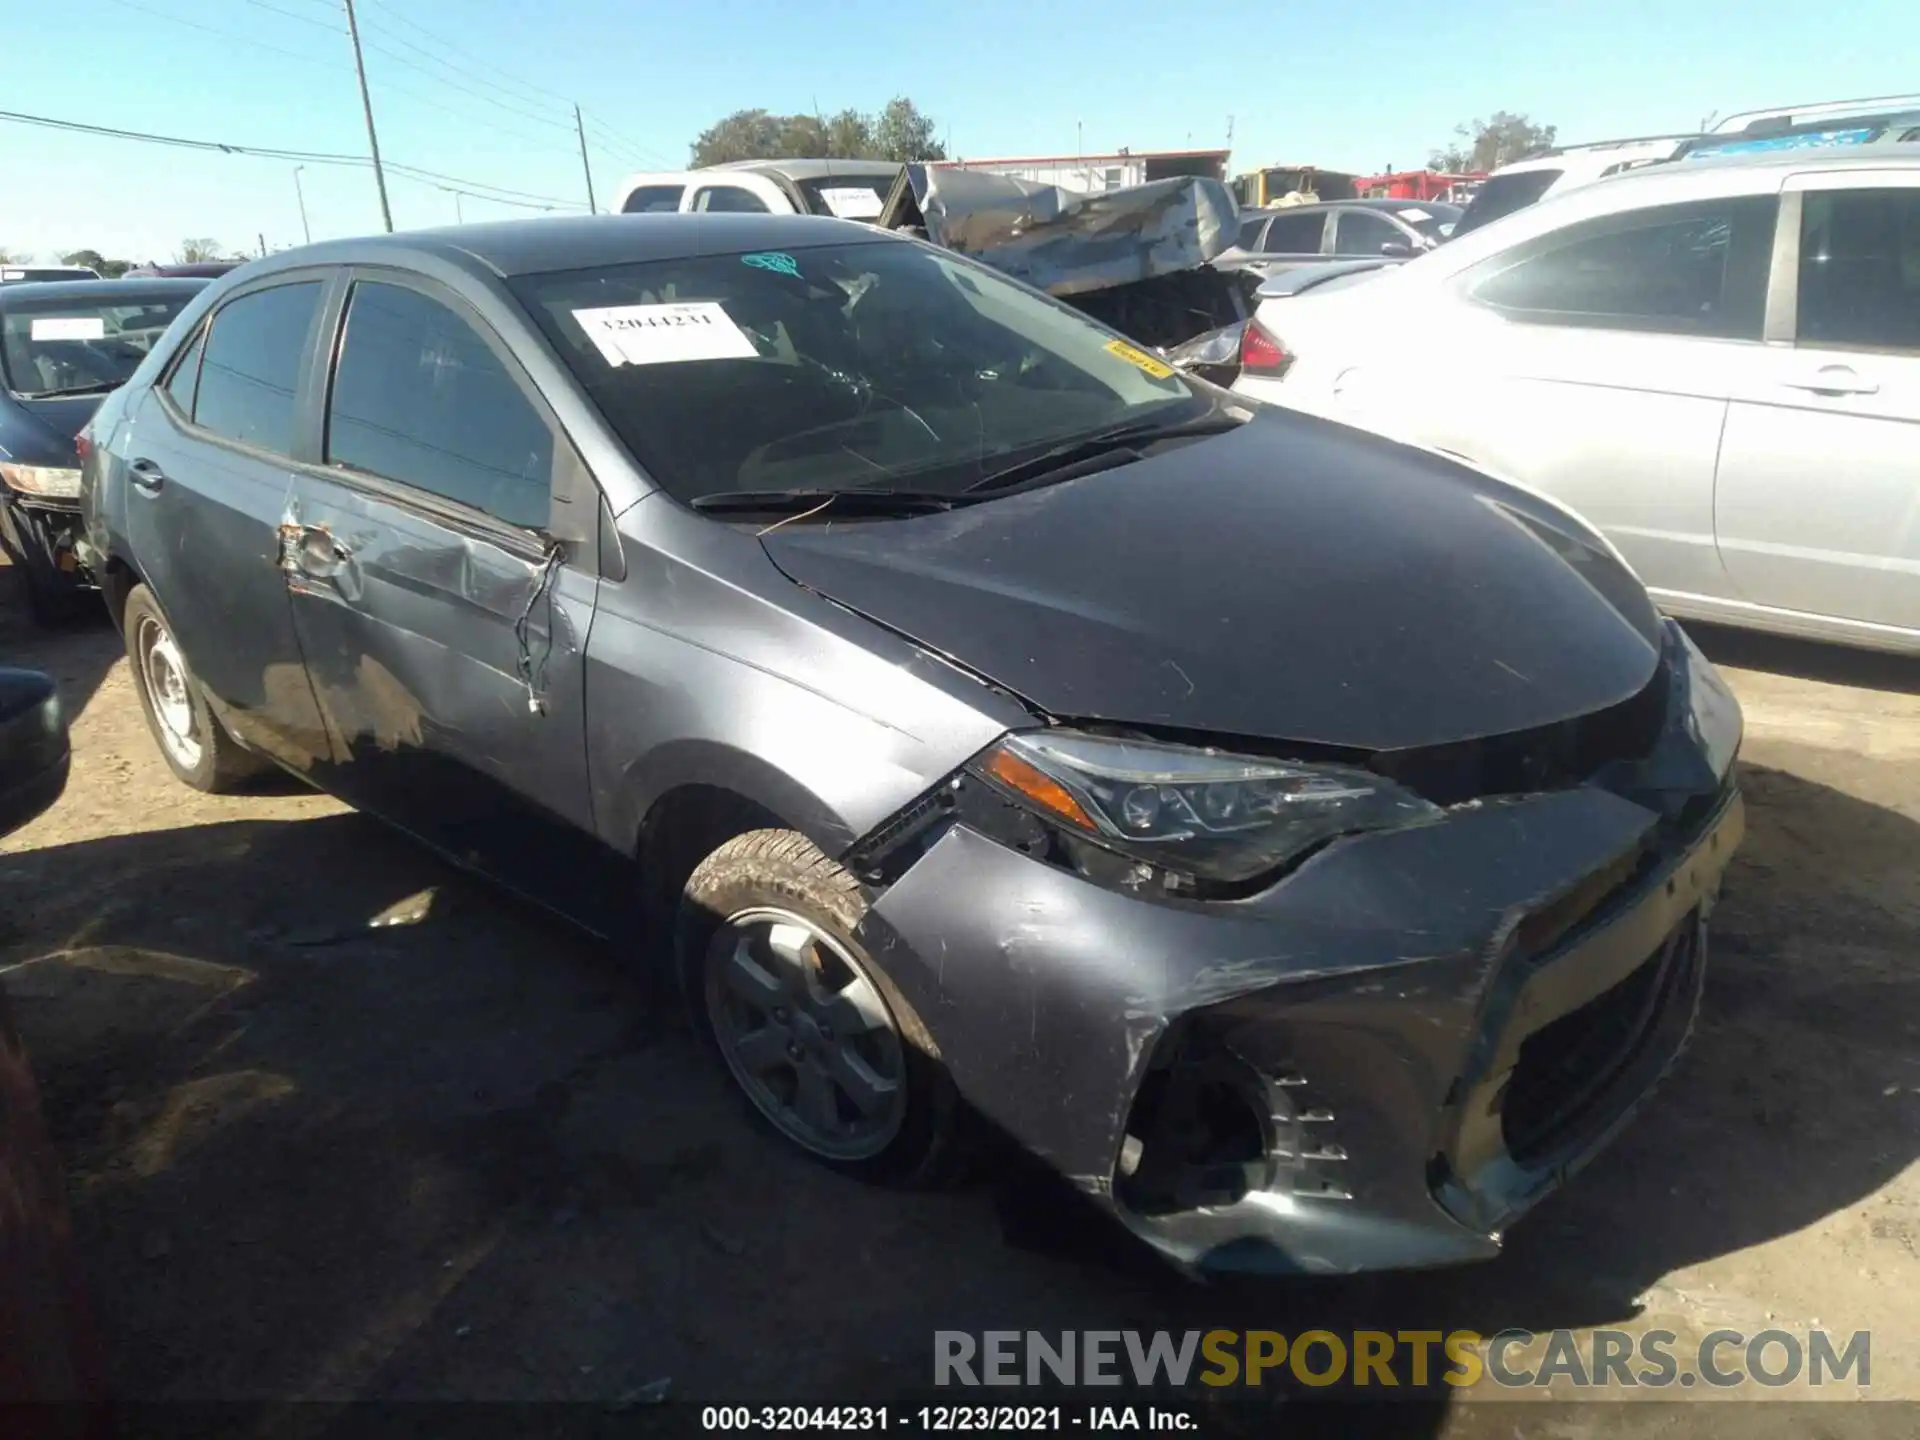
point(481, 89)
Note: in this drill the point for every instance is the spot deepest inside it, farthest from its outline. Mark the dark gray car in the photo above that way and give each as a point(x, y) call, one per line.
point(1301, 842)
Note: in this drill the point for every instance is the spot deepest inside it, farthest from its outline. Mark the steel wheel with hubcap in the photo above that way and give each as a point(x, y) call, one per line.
point(164, 674)
point(193, 742)
point(806, 1033)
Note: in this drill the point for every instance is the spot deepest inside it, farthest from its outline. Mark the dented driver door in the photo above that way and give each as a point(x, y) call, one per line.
point(442, 630)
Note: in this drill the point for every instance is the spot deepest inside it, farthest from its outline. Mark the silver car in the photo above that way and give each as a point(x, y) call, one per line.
point(1715, 361)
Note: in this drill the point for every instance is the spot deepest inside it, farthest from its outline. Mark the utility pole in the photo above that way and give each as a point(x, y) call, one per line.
point(263, 244)
point(366, 104)
point(581, 130)
point(300, 195)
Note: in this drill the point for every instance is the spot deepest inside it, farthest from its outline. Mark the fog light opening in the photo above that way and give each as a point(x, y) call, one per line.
point(1196, 1137)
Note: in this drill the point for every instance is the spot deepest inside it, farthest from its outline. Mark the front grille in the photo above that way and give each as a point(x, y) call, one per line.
point(1548, 757)
point(1561, 1077)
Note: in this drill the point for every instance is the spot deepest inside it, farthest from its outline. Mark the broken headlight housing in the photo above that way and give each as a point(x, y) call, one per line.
point(51, 482)
point(1206, 813)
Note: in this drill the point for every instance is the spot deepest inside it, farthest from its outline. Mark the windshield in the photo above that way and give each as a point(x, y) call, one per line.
point(840, 367)
point(53, 347)
point(851, 197)
point(1502, 195)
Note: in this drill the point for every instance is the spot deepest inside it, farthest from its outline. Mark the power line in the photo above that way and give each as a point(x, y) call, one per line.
point(646, 155)
point(418, 68)
point(295, 15)
point(442, 41)
point(477, 188)
point(337, 67)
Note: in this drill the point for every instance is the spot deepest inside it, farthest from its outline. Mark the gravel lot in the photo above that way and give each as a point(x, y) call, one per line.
point(473, 1156)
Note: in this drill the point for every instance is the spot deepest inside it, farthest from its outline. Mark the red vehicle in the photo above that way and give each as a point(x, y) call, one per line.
point(1418, 185)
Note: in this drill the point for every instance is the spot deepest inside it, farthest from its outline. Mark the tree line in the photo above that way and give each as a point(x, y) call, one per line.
point(189, 251)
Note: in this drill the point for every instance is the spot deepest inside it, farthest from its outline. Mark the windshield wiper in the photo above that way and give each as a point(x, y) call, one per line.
point(99, 387)
point(1089, 447)
point(851, 501)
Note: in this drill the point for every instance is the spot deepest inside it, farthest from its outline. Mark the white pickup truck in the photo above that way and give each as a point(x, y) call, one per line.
point(850, 189)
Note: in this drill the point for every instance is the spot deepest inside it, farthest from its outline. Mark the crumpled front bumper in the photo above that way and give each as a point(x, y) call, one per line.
point(1423, 1031)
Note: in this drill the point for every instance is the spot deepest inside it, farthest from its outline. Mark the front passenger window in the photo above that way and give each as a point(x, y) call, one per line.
point(418, 397)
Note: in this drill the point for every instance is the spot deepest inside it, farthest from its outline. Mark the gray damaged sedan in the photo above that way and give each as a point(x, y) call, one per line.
point(1303, 843)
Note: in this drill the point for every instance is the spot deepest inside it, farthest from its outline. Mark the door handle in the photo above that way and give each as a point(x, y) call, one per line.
point(143, 474)
point(1836, 380)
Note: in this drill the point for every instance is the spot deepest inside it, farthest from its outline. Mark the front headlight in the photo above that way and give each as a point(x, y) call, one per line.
point(1198, 812)
point(52, 481)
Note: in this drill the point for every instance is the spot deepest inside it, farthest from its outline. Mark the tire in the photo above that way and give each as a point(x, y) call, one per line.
point(844, 1020)
point(190, 738)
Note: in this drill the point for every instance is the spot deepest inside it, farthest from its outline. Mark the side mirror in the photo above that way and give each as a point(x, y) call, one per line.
point(34, 755)
point(1397, 250)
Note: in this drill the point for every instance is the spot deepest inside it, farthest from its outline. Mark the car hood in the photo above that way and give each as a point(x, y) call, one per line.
point(1292, 580)
point(41, 432)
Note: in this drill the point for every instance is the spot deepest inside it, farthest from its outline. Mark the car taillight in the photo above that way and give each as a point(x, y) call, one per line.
point(1261, 353)
point(83, 446)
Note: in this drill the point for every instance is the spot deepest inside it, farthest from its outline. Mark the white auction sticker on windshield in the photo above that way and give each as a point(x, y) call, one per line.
point(665, 334)
point(68, 327)
point(1414, 217)
point(851, 202)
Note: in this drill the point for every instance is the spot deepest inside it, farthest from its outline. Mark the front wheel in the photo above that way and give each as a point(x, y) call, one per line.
point(817, 1039)
point(192, 741)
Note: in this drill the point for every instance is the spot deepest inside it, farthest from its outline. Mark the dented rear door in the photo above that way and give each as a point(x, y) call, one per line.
point(443, 633)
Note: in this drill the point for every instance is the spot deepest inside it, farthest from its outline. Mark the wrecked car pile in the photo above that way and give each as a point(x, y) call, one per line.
point(1135, 259)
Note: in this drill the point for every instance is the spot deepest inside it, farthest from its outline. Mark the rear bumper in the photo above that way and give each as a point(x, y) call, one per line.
point(1380, 1062)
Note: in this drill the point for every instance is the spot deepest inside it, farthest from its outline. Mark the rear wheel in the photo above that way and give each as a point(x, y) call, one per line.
point(815, 1036)
point(192, 741)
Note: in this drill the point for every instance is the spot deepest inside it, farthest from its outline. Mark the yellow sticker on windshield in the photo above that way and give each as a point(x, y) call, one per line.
point(1139, 357)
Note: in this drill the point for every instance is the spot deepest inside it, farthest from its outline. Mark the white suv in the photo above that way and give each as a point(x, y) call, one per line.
point(848, 189)
point(1716, 363)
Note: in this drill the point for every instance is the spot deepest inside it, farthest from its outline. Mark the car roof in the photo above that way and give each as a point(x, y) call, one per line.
point(98, 292)
point(1669, 182)
point(815, 169)
point(1384, 203)
point(580, 242)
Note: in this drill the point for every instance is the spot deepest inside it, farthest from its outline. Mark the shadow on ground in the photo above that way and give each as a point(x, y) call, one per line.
point(77, 654)
point(1808, 660)
point(465, 1155)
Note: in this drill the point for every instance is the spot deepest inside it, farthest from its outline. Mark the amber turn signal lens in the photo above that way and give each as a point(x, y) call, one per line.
point(1039, 787)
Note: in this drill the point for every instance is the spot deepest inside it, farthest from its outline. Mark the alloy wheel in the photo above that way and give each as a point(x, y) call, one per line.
point(806, 1033)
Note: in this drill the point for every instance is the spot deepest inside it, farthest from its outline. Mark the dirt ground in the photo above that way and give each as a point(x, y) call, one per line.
point(467, 1156)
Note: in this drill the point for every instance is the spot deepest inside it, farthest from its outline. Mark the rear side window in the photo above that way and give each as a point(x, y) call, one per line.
point(1501, 195)
point(730, 198)
point(652, 199)
point(186, 373)
point(1860, 269)
point(1296, 234)
point(1695, 269)
point(1250, 231)
point(250, 372)
point(420, 398)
